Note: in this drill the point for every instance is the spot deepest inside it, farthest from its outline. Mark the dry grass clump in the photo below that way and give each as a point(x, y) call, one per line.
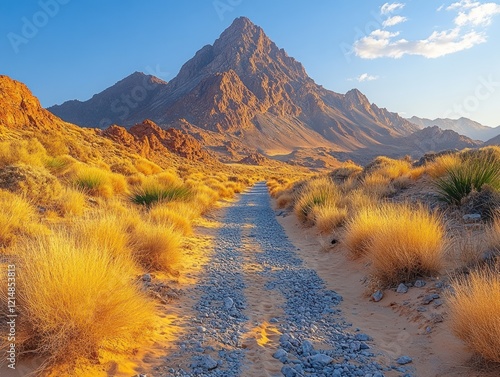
point(34, 182)
point(152, 191)
point(71, 202)
point(402, 242)
point(285, 199)
point(474, 308)
point(493, 235)
point(442, 164)
point(18, 218)
point(377, 185)
point(75, 299)
point(156, 246)
point(147, 167)
point(407, 243)
point(315, 193)
point(328, 217)
point(176, 217)
point(29, 152)
point(347, 170)
point(98, 182)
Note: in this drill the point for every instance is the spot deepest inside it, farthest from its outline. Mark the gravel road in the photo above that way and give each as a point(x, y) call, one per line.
point(254, 283)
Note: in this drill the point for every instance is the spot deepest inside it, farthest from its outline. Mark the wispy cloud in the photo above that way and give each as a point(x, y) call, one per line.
point(469, 30)
point(394, 20)
point(364, 77)
point(391, 8)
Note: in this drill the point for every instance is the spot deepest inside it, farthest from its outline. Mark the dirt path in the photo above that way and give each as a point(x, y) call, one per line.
point(258, 310)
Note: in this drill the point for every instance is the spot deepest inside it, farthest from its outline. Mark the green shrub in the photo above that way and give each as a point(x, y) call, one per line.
point(150, 194)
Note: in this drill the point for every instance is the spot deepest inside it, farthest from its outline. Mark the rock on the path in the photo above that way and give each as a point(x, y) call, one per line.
point(146, 277)
point(403, 360)
point(307, 348)
point(208, 363)
point(377, 296)
point(362, 337)
point(288, 371)
point(228, 303)
point(429, 298)
point(320, 360)
point(402, 288)
point(419, 283)
point(281, 355)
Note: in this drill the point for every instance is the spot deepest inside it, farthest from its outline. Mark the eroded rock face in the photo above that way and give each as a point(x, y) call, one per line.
point(20, 109)
point(147, 136)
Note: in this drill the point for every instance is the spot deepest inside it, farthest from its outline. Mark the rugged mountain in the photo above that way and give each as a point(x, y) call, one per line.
point(434, 139)
point(243, 88)
point(463, 126)
point(493, 141)
point(114, 105)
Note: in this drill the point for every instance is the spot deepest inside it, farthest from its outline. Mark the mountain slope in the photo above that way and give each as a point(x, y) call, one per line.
point(244, 88)
point(463, 126)
point(113, 105)
point(493, 141)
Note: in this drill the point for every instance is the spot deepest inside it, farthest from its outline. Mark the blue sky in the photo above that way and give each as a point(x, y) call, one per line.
point(426, 58)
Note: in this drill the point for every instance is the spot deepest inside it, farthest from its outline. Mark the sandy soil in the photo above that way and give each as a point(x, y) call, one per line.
point(400, 324)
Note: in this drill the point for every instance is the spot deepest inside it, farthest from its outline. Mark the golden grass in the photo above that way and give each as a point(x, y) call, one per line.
point(406, 243)
point(285, 199)
point(474, 307)
point(146, 167)
point(71, 202)
point(75, 299)
point(378, 185)
point(443, 164)
point(493, 235)
point(156, 247)
point(317, 192)
point(361, 227)
point(99, 182)
point(18, 218)
point(176, 217)
point(328, 217)
point(29, 152)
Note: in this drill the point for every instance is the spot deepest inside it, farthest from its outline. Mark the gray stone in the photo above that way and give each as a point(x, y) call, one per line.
point(362, 337)
point(320, 360)
point(281, 355)
point(307, 348)
point(429, 298)
point(377, 296)
point(419, 283)
point(208, 363)
point(146, 277)
point(228, 303)
point(201, 329)
point(402, 288)
point(288, 371)
point(403, 360)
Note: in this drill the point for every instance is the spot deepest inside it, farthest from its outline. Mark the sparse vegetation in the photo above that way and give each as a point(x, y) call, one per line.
point(474, 307)
point(153, 192)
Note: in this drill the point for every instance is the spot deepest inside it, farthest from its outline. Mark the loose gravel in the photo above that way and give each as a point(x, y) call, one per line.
point(315, 340)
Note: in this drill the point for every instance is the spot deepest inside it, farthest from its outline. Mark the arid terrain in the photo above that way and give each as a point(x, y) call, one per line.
point(242, 220)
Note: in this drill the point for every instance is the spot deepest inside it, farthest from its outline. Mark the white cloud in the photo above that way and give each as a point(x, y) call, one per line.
point(378, 45)
point(394, 20)
point(474, 13)
point(364, 77)
point(469, 30)
point(391, 8)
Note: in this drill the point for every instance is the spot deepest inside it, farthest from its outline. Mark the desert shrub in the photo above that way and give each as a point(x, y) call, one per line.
point(17, 218)
point(328, 217)
point(361, 228)
point(284, 200)
point(152, 192)
point(378, 185)
point(407, 243)
point(485, 202)
point(70, 202)
point(472, 174)
point(29, 152)
point(388, 167)
point(474, 307)
point(346, 170)
point(75, 299)
point(59, 165)
point(93, 181)
point(442, 164)
point(146, 167)
point(315, 193)
point(162, 214)
point(493, 235)
point(156, 246)
point(34, 182)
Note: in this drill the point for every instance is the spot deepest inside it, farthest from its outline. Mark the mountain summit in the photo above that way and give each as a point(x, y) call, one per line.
point(244, 89)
